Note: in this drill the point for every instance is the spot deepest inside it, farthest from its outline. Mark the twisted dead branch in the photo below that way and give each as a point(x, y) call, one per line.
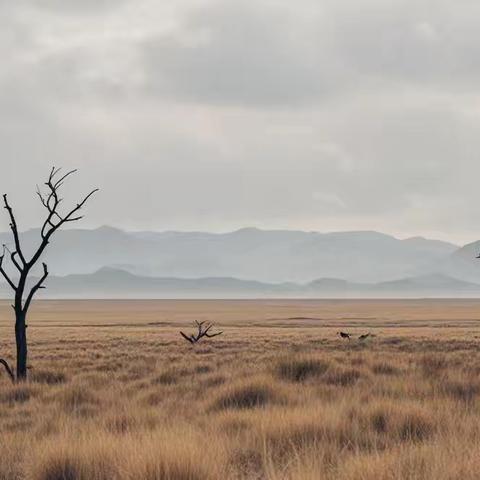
point(203, 330)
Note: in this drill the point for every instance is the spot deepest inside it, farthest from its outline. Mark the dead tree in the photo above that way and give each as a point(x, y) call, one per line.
point(203, 331)
point(55, 219)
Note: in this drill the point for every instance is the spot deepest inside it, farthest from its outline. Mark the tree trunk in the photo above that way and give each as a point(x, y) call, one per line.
point(22, 350)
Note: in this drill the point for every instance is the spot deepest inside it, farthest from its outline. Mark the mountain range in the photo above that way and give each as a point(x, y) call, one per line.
point(108, 262)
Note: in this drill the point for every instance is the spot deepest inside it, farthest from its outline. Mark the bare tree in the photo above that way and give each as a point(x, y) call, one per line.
point(203, 331)
point(23, 265)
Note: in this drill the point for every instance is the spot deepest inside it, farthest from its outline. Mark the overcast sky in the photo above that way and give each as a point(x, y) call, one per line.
point(214, 115)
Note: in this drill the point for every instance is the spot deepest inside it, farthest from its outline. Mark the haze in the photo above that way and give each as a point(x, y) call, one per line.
point(202, 115)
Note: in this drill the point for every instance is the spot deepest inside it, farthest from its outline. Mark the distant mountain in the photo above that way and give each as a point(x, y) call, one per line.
point(428, 286)
point(269, 256)
point(462, 263)
point(114, 283)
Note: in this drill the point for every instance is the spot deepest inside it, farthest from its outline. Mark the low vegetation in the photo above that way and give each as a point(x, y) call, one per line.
point(137, 402)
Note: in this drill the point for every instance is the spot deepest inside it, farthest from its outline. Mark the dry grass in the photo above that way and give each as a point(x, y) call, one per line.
point(116, 394)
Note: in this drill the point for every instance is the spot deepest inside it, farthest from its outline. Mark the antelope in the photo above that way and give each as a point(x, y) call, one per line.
point(344, 335)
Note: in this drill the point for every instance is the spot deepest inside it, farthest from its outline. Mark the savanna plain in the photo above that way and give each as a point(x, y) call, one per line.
point(115, 393)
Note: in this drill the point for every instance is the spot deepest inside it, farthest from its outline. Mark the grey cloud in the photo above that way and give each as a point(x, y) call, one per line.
point(242, 53)
point(373, 125)
point(256, 53)
point(433, 43)
point(77, 6)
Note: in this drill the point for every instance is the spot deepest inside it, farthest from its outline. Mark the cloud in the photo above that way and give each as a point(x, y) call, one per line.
point(241, 53)
point(215, 115)
point(263, 53)
point(70, 7)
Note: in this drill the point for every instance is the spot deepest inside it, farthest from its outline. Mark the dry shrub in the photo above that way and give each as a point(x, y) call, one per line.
point(177, 454)
point(213, 380)
point(13, 456)
point(77, 399)
point(249, 394)
point(48, 377)
point(447, 461)
point(19, 393)
point(169, 377)
point(130, 421)
point(68, 459)
point(153, 398)
point(406, 423)
point(94, 379)
point(203, 368)
point(433, 364)
point(109, 367)
point(288, 433)
point(297, 433)
point(384, 368)
point(415, 426)
point(342, 377)
point(465, 391)
point(300, 369)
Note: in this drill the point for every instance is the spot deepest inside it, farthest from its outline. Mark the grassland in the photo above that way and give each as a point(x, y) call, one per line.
point(116, 394)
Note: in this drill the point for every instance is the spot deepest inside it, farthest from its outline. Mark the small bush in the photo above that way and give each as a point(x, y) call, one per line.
point(379, 421)
point(76, 399)
point(342, 377)
point(384, 368)
point(169, 377)
point(124, 423)
point(432, 365)
point(48, 377)
point(70, 463)
point(17, 394)
point(415, 426)
point(463, 391)
point(248, 395)
point(407, 423)
point(204, 368)
point(298, 370)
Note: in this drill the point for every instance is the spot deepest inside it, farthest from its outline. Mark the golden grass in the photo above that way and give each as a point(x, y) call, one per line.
point(118, 396)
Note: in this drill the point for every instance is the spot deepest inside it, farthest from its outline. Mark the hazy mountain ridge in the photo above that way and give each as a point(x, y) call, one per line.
point(114, 283)
point(271, 256)
point(252, 262)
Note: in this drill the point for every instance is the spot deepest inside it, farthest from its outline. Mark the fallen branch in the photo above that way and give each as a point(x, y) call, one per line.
point(203, 331)
point(8, 369)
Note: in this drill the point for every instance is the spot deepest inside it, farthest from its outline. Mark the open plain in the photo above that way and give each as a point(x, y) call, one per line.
point(115, 393)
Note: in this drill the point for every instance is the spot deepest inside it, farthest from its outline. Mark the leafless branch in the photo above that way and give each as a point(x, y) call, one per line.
point(52, 201)
point(36, 287)
point(8, 369)
point(12, 257)
point(3, 271)
point(187, 338)
point(13, 227)
point(203, 330)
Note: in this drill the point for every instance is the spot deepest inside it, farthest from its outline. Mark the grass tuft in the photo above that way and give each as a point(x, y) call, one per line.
point(300, 369)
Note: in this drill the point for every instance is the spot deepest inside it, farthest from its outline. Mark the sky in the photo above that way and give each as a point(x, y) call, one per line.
point(214, 115)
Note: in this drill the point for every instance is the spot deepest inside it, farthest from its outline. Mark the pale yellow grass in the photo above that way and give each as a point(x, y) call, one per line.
point(116, 394)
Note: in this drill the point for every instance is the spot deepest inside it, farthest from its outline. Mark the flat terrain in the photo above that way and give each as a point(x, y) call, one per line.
point(116, 393)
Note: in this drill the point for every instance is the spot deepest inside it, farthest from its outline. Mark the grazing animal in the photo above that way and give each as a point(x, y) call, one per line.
point(363, 337)
point(344, 335)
